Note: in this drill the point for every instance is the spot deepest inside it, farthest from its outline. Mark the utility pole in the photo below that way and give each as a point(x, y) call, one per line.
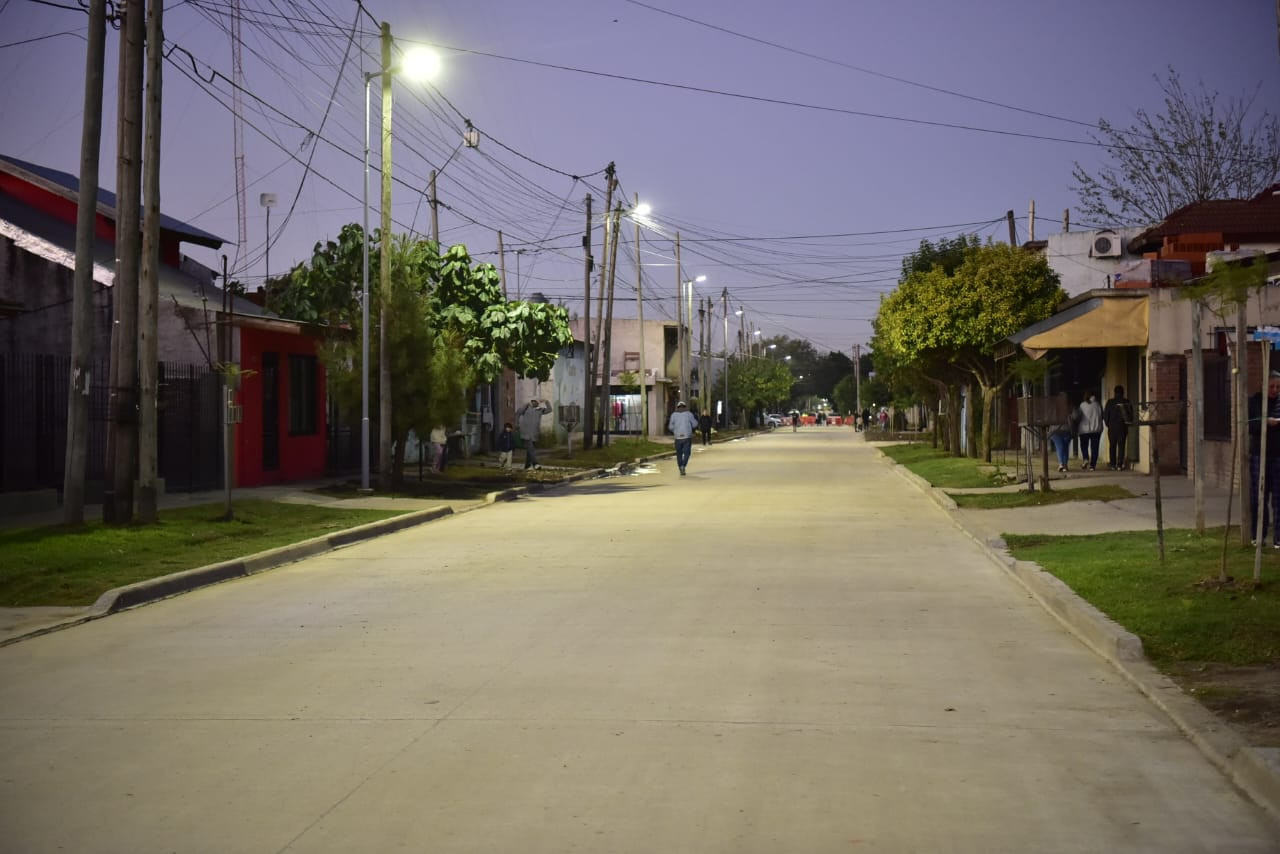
point(77, 447)
point(703, 401)
point(588, 264)
point(228, 394)
point(858, 377)
point(122, 434)
point(602, 332)
point(149, 292)
point(724, 300)
point(1013, 233)
point(644, 382)
point(680, 336)
point(606, 374)
point(384, 275)
point(435, 217)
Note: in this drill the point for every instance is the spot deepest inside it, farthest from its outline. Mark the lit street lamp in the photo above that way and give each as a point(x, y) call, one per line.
point(417, 64)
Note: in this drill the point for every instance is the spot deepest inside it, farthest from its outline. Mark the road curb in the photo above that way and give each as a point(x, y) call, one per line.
point(1255, 770)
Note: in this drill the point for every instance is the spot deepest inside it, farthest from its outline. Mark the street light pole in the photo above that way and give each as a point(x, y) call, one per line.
point(724, 305)
point(364, 305)
point(644, 397)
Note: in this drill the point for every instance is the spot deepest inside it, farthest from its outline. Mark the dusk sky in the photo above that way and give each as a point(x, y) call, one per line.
point(800, 149)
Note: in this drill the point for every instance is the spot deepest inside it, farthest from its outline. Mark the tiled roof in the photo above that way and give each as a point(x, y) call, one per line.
point(1238, 220)
point(68, 185)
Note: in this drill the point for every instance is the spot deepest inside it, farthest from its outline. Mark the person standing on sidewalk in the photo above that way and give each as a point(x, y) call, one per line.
point(1270, 508)
point(529, 418)
point(506, 446)
point(1090, 431)
point(704, 427)
point(682, 423)
point(1117, 415)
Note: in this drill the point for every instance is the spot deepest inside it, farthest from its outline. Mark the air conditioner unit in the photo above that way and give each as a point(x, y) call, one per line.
point(1106, 244)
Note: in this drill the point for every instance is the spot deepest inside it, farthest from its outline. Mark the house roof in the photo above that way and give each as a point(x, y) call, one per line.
point(54, 240)
point(68, 186)
point(1240, 219)
point(1099, 318)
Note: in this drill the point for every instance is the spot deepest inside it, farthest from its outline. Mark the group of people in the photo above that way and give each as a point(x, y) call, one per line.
point(1084, 426)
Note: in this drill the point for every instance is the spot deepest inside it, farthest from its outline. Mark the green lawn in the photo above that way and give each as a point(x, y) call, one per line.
point(1177, 617)
point(58, 566)
point(1039, 498)
point(938, 467)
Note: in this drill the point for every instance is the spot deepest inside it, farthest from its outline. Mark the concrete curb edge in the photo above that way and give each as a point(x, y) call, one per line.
point(1255, 770)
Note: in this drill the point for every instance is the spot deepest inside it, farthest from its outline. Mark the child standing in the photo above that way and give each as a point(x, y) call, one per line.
point(506, 445)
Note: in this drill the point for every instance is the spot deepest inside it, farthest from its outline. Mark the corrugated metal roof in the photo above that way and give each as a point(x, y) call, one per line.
point(68, 186)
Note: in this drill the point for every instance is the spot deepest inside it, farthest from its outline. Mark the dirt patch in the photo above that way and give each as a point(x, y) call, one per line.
point(1247, 698)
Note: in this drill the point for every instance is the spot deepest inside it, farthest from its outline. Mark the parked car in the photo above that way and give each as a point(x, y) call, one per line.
point(773, 420)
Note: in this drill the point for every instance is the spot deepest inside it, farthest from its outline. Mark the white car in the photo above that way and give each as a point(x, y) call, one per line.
point(773, 420)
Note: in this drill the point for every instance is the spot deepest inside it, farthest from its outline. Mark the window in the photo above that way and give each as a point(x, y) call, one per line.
point(1217, 397)
point(302, 395)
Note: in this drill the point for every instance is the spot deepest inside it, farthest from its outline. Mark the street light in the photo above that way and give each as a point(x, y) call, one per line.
point(687, 299)
point(639, 212)
point(416, 64)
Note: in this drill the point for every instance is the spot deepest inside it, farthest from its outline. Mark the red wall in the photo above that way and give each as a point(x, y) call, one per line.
point(300, 457)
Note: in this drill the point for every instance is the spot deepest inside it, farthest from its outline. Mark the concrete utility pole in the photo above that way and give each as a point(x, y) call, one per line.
point(588, 263)
point(149, 292)
point(384, 275)
point(680, 336)
point(77, 447)
point(602, 331)
point(122, 434)
point(724, 300)
point(857, 377)
point(644, 383)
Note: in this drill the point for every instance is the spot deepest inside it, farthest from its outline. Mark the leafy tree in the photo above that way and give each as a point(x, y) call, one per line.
point(845, 394)
point(448, 324)
point(755, 384)
point(948, 253)
point(1196, 150)
point(938, 323)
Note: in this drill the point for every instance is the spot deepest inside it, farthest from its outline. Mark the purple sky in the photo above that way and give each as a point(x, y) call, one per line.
point(800, 198)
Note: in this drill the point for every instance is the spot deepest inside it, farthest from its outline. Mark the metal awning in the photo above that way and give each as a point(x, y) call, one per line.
point(1111, 321)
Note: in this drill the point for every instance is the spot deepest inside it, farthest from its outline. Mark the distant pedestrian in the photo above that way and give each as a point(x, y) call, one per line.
point(529, 417)
point(1117, 415)
point(704, 427)
point(439, 448)
point(1268, 413)
point(506, 446)
point(1060, 438)
point(682, 423)
point(884, 418)
point(1090, 431)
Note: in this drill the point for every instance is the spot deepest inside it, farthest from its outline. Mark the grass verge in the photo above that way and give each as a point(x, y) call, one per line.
point(60, 566)
point(1039, 498)
point(940, 468)
point(1177, 608)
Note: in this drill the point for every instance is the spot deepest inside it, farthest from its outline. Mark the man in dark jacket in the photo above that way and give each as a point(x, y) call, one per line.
point(1270, 415)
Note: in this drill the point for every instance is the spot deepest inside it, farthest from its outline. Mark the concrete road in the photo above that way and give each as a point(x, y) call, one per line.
point(789, 650)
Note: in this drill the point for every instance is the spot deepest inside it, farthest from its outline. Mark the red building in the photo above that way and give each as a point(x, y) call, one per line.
point(282, 434)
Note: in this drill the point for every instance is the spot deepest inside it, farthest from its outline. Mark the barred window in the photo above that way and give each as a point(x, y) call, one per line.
point(302, 395)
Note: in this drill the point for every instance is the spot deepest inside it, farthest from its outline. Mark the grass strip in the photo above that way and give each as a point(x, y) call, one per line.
point(73, 567)
point(1039, 498)
point(940, 468)
point(1177, 608)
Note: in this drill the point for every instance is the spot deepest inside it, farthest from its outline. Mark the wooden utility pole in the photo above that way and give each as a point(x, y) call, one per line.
point(77, 447)
point(588, 264)
point(602, 334)
point(149, 291)
point(605, 384)
point(435, 217)
point(384, 275)
point(1197, 404)
point(228, 394)
point(1242, 420)
point(122, 434)
point(1013, 233)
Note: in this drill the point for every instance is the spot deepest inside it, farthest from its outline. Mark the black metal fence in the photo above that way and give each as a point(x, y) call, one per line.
point(33, 424)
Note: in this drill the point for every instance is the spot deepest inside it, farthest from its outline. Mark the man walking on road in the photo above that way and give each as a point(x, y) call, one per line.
point(682, 424)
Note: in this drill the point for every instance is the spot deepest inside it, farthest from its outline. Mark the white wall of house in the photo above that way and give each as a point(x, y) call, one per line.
point(1070, 255)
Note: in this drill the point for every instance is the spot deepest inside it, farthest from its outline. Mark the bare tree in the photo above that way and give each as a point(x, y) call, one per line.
point(1196, 150)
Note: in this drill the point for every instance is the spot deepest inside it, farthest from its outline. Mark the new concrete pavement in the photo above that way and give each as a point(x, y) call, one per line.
point(787, 650)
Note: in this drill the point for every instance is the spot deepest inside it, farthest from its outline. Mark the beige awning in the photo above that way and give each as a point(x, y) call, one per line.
point(1095, 322)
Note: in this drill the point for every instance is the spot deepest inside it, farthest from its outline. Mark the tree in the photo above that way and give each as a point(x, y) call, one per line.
point(939, 324)
point(1196, 150)
point(449, 327)
point(755, 384)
